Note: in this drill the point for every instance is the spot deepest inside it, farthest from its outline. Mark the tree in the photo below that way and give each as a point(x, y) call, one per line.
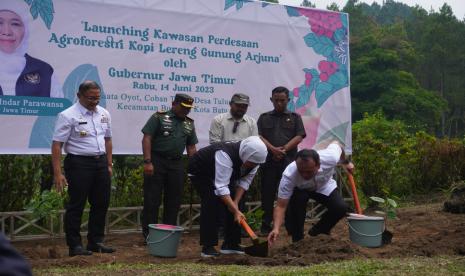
point(392, 12)
point(439, 38)
point(402, 51)
point(308, 4)
point(382, 80)
point(360, 23)
point(333, 7)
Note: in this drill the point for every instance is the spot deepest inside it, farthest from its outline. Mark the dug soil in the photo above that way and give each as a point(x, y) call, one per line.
point(419, 231)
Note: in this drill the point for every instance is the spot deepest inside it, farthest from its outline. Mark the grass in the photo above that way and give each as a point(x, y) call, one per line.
point(445, 265)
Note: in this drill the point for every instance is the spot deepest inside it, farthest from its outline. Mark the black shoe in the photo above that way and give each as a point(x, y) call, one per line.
point(145, 238)
point(294, 239)
point(100, 248)
point(208, 252)
point(78, 250)
point(314, 232)
point(231, 249)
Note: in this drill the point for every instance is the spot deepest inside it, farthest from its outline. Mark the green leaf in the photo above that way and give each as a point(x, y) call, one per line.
point(46, 204)
point(322, 45)
point(292, 11)
point(338, 132)
point(46, 12)
point(34, 9)
point(392, 202)
point(377, 199)
point(391, 214)
point(228, 4)
point(323, 91)
point(44, 8)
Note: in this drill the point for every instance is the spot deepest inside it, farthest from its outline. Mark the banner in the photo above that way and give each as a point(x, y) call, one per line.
point(143, 56)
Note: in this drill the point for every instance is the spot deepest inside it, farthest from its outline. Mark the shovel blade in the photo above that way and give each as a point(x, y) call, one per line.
point(387, 237)
point(258, 249)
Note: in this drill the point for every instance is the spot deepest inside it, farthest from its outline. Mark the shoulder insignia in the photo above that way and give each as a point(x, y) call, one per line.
point(189, 119)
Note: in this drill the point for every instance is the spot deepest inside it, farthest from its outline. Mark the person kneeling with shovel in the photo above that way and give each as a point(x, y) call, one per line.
point(310, 176)
point(221, 173)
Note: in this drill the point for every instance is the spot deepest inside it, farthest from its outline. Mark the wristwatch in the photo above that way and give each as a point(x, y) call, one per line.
point(147, 161)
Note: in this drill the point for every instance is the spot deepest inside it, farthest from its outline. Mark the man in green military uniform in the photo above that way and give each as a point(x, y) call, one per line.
point(166, 134)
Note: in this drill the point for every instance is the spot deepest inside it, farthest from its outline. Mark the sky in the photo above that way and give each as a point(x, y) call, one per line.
point(458, 6)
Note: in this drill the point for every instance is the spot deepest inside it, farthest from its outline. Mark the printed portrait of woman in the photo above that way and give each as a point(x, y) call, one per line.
point(21, 74)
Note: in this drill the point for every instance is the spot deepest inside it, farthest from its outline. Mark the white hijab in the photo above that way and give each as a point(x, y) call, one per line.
point(253, 149)
point(11, 65)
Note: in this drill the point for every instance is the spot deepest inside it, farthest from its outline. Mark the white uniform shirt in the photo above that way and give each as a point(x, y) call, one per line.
point(83, 131)
point(223, 172)
point(221, 128)
point(322, 182)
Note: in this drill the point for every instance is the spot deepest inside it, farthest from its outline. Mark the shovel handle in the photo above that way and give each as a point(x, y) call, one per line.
point(248, 230)
point(350, 177)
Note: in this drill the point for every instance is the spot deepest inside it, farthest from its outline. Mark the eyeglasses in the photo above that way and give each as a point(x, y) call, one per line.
point(236, 124)
point(92, 99)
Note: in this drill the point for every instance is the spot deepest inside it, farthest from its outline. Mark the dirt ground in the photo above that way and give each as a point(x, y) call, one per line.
point(420, 231)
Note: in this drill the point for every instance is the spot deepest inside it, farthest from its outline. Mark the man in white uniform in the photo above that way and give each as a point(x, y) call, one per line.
point(310, 176)
point(84, 131)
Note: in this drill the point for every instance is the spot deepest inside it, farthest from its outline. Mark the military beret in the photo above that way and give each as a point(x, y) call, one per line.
point(184, 99)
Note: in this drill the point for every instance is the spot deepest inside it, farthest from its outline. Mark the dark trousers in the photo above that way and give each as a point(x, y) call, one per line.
point(297, 209)
point(210, 208)
point(224, 210)
point(270, 178)
point(88, 179)
point(166, 183)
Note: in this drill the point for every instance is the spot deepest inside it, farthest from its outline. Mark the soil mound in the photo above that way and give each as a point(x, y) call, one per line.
point(420, 231)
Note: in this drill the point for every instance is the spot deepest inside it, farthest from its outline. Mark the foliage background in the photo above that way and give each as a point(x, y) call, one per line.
point(390, 161)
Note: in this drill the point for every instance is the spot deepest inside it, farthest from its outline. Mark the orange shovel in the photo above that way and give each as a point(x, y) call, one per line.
point(350, 177)
point(259, 248)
